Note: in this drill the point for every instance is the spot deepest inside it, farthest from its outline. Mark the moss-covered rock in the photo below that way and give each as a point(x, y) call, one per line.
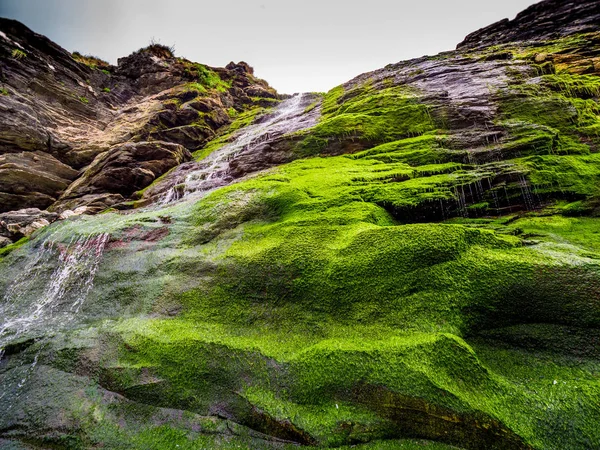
point(423, 272)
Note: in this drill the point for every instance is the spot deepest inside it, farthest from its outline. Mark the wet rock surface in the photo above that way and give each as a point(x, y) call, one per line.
point(546, 20)
point(122, 170)
point(265, 143)
point(22, 223)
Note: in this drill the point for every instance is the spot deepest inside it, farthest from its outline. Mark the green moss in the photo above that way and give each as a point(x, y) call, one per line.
point(10, 248)
point(265, 101)
point(367, 115)
point(18, 54)
point(331, 101)
point(84, 100)
point(206, 78)
point(562, 101)
point(4, 91)
point(199, 87)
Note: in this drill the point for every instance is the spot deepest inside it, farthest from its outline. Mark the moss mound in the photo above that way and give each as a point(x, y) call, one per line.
point(421, 277)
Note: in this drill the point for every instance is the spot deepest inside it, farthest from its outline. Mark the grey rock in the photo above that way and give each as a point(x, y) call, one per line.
point(16, 224)
point(4, 241)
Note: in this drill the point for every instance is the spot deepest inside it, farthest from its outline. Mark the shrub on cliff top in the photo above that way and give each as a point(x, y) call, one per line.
point(159, 50)
point(91, 61)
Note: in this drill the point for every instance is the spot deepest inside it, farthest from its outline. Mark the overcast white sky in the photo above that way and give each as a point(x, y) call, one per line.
point(301, 45)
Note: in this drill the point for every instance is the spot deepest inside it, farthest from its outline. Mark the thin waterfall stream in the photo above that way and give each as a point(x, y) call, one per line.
point(38, 296)
point(47, 296)
point(213, 172)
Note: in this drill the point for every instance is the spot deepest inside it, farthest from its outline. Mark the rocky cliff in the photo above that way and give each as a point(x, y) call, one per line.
point(412, 259)
point(113, 129)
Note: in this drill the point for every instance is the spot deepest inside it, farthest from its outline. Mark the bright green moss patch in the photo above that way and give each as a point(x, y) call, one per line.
point(172, 351)
point(418, 151)
point(207, 78)
point(369, 115)
point(323, 382)
point(582, 232)
point(563, 102)
point(577, 175)
point(10, 248)
point(331, 101)
point(556, 388)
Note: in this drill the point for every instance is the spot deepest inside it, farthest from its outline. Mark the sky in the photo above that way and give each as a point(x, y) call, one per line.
point(297, 46)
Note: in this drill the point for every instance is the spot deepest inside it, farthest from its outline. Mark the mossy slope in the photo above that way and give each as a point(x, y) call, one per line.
point(432, 271)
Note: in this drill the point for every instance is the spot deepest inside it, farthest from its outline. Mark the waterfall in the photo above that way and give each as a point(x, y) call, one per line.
point(213, 171)
point(35, 299)
point(461, 201)
point(526, 192)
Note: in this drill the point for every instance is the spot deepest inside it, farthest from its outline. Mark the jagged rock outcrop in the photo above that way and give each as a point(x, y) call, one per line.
point(122, 170)
point(22, 223)
point(550, 19)
point(58, 114)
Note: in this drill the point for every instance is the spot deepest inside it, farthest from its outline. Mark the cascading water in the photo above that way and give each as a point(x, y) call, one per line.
point(213, 171)
point(35, 299)
point(526, 192)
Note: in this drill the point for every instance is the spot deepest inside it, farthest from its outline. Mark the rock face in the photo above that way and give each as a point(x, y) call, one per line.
point(409, 260)
point(58, 112)
point(550, 19)
point(22, 223)
point(122, 170)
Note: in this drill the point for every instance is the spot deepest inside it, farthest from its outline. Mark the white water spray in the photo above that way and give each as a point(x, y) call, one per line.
point(213, 171)
point(30, 302)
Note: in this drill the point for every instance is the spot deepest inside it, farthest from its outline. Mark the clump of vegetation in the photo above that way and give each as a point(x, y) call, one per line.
point(197, 87)
point(155, 48)
point(11, 247)
point(206, 77)
point(84, 100)
point(4, 91)
point(105, 89)
point(18, 54)
point(364, 117)
point(93, 62)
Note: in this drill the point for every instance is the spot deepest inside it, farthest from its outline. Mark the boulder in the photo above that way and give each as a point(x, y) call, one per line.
point(241, 68)
point(121, 171)
point(17, 224)
point(32, 179)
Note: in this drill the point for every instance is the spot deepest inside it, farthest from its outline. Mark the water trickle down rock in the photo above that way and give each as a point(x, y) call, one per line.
point(36, 299)
point(197, 179)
